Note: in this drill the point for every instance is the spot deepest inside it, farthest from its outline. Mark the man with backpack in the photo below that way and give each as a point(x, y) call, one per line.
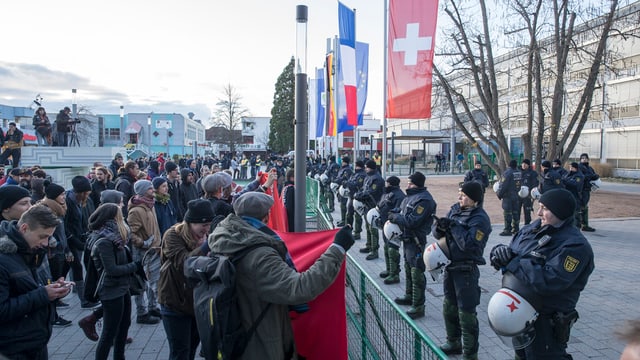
point(267, 283)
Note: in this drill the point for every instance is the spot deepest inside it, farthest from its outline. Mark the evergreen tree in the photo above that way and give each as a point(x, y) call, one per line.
point(281, 128)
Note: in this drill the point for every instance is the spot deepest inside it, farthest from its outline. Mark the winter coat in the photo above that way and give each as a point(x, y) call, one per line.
point(76, 221)
point(142, 222)
point(26, 313)
point(114, 262)
point(263, 278)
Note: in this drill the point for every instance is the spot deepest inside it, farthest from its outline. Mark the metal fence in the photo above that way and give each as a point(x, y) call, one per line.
point(377, 328)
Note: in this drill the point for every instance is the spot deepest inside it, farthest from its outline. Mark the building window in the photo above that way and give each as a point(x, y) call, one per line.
point(112, 133)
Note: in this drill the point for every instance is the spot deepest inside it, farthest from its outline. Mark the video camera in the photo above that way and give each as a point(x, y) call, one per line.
point(75, 121)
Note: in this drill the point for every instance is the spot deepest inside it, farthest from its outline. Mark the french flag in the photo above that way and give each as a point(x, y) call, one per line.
point(347, 26)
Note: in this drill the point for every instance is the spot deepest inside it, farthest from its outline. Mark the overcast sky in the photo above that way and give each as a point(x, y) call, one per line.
point(167, 55)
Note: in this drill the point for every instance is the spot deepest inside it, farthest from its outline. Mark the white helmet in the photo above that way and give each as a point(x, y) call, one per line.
point(334, 187)
point(373, 216)
point(524, 191)
point(324, 179)
point(496, 186)
point(436, 257)
point(596, 184)
point(343, 191)
point(535, 193)
point(317, 177)
point(391, 230)
point(360, 207)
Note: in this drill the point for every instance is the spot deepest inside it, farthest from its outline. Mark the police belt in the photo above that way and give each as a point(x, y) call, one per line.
point(461, 266)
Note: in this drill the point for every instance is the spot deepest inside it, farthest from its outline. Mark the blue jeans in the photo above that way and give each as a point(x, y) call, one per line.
point(182, 334)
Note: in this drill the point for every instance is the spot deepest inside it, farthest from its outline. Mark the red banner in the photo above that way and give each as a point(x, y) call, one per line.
point(411, 40)
point(321, 332)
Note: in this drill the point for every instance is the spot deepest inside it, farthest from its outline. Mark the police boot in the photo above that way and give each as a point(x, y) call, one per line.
point(452, 326)
point(585, 220)
point(367, 247)
point(343, 215)
point(394, 266)
point(507, 224)
point(419, 284)
point(385, 272)
point(357, 226)
point(373, 233)
point(470, 333)
point(408, 290)
point(515, 226)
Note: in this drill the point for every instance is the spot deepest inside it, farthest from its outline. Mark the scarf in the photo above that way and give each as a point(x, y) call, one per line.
point(265, 229)
point(59, 209)
point(162, 198)
point(137, 200)
point(110, 231)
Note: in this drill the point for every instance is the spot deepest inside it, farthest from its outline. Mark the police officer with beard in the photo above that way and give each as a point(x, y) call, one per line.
point(370, 194)
point(391, 199)
point(355, 184)
point(508, 193)
point(466, 229)
point(552, 258)
point(589, 176)
point(414, 217)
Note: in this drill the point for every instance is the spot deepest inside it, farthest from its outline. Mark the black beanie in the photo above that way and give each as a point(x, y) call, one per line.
point(417, 179)
point(360, 164)
point(575, 165)
point(560, 202)
point(393, 180)
point(11, 194)
point(546, 163)
point(346, 159)
point(473, 190)
point(526, 161)
point(513, 164)
point(371, 164)
point(80, 184)
point(199, 211)
point(52, 190)
point(158, 181)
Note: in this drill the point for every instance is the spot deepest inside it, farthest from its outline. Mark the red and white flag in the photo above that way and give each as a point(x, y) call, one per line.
point(411, 40)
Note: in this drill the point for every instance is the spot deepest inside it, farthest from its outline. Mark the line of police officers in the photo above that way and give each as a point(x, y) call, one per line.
point(545, 267)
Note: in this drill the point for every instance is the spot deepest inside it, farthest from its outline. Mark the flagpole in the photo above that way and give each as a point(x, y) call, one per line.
point(356, 132)
point(327, 105)
point(383, 166)
point(336, 57)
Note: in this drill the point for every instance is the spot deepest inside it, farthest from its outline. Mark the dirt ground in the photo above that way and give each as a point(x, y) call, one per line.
point(603, 204)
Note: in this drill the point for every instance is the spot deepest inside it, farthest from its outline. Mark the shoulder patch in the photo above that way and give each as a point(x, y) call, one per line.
point(577, 179)
point(557, 181)
point(479, 235)
point(374, 186)
point(419, 210)
point(571, 263)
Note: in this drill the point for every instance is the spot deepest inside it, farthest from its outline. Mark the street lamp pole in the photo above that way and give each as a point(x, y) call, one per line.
point(121, 125)
point(301, 119)
point(149, 133)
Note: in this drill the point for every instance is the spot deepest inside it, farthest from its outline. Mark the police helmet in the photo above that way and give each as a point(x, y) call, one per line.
point(524, 191)
point(373, 217)
point(343, 191)
point(496, 186)
point(334, 187)
point(535, 193)
point(436, 257)
point(317, 177)
point(392, 231)
point(596, 184)
point(360, 207)
point(324, 179)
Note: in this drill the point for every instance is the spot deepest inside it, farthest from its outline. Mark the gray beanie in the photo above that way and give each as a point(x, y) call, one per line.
point(253, 204)
point(111, 197)
point(141, 186)
point(215, 182)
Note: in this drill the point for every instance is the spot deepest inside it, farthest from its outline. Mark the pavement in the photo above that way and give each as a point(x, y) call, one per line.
point(611, 297)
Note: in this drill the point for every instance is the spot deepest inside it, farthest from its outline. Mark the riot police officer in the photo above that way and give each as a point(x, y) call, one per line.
point(341, 179)
point(466, 229)
point(332, 173)
point(552, 258)
point(478, 175)
point(355, 184)
point(391, 199)
point(508, 192)
point(551, 179)
point(370, 194)
point(414, 217)
point(530, 180)
point(589, 176)
point(574, 182)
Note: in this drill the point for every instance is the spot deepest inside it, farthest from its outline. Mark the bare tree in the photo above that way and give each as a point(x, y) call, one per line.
point(228, 116)
point(539, 62)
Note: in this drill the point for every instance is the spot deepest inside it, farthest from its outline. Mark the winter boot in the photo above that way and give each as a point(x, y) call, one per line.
point(393, 266)
point(470, 333)
point(375, 244)
point(419, 284)
point(507, 223)
point(385, 272)
point(585, 220)
point(452, 326)
point(408, 290)
point(88, 326)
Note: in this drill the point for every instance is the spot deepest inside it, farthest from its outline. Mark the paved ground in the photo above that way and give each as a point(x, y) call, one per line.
point(611, 296)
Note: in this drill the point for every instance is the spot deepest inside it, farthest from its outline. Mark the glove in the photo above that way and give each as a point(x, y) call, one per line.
point(500, 256)
point(147, 243)
point(140, 270)
point(344, 238)
point(393, 217)
point(444, 224)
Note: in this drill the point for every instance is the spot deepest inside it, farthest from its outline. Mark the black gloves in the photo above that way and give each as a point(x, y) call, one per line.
point(393, 217)
point(140, 270)
point(500, 256)
point(443, 224)
point(344, 238)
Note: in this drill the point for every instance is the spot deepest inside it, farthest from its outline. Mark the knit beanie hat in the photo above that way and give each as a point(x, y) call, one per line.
point(346, 159)
point(360, 164)
point(253, 204)
point(199, 211)
point(11, 194)
point(513, 164)
point(575, 165)
point(80, 184)
point(52, 190)
point(158, 181)
point(546, 163)
point(560, 202)
point(417, 179)
point(473, 190)
point(111, 197)
point(393, 180)
point(141, 186)
point(526, 161)
point(371, 164)
point(557, 161)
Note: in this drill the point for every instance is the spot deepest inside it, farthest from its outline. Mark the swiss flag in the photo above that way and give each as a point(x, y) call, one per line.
point(411, 38)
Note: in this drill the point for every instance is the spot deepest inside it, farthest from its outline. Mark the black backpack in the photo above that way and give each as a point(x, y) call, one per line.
point(92, 280)
point(216, 308)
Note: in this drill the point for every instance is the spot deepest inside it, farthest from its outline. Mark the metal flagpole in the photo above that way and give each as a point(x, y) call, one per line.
point(383, 166)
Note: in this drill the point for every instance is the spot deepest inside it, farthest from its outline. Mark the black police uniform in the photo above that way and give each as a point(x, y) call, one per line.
point(414, 217)
point(574, 182)
point(555, 262)
point(370, 194)
point(331, 172)
point(355, 184)
point(479, 176)
point(391, 199)
point(551, 179)
point(589, 176)
point(508, 193)
point(530, 180)
point(466, 237)
point(341, 178)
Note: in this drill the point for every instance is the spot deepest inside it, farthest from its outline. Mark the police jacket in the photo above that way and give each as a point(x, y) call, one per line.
point(468, 235)
point(356, 181)
point(343, 175)
point(510, 184)
point(574, 182)
point(332, 170)
point(589, 175)
point(391, 199)
point(529, 178)
point(477, 175)
point(551, 179)
point(555, 262)
point(372, 189)
point(416, 214)
point(26, 313)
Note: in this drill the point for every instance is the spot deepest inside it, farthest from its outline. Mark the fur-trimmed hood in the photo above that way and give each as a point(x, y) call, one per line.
point(7, 245)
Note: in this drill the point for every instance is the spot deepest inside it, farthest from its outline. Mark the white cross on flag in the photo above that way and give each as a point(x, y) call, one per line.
point(411, 41)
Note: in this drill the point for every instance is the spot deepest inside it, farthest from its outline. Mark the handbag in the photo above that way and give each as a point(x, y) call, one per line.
point(137, 280)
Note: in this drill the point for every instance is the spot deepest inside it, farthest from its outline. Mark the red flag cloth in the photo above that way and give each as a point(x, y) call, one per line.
point(278, 213)
point(411, 41)
point(321, 332)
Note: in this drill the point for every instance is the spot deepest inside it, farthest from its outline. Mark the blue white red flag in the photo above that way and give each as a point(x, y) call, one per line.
point(347, 26)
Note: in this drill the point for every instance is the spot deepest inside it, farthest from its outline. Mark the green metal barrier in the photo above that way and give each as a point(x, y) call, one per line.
point(377, 328)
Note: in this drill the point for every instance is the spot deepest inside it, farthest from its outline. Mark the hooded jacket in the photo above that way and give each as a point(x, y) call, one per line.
point(26, 313)
point(142, 222)
point(263, 277)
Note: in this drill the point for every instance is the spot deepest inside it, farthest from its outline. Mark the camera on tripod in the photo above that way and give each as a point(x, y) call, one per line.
point(75, 121)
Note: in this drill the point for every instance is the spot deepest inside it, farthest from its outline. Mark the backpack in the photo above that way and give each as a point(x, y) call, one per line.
point(216, 307)
point(93, 280)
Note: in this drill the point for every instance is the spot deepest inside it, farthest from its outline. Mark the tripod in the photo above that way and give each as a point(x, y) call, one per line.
point(74, 137)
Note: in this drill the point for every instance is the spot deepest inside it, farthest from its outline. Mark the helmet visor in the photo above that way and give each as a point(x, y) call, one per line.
point(521, 340)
